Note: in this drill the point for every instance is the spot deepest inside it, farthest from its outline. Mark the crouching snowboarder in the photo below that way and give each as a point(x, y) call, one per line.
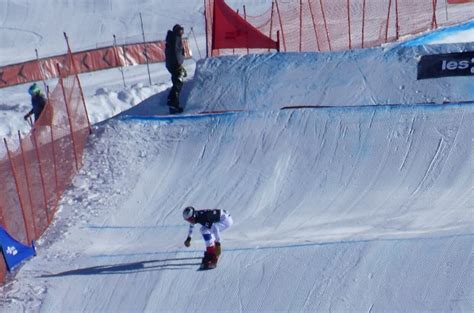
point(213, 223)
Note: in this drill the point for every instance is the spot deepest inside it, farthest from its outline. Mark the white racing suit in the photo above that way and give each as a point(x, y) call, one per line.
point(212, 227)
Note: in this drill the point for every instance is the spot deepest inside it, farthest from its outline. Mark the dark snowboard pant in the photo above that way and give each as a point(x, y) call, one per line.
point(177, 77)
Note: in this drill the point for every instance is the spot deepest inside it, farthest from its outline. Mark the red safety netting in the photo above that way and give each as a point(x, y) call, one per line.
point(35, 173)
point(329, 25)
point(460, 1)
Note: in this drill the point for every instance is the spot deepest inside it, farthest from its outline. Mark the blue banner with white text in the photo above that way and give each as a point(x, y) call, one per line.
point(14, 252)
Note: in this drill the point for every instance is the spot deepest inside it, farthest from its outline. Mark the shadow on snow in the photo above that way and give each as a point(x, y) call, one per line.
point(133, 267)
point(157, 104)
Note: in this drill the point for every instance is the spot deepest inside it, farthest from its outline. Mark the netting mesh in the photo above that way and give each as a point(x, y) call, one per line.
point(43, 163)
point(330, 25)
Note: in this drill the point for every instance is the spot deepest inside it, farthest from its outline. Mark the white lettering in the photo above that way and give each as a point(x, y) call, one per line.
point(452, 65)
point(463, 65)
point(12, 250)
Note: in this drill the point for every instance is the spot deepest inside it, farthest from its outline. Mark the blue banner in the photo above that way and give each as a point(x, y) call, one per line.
point(14, 252)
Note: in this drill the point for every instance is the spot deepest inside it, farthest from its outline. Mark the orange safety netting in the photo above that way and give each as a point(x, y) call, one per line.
point(329, 25)
point(35, 173)
point(87, 61)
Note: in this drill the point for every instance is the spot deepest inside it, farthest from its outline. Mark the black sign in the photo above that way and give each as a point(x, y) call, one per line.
point(450, 64)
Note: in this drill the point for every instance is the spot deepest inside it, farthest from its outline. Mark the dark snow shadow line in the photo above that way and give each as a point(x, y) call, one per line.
point(132, 267)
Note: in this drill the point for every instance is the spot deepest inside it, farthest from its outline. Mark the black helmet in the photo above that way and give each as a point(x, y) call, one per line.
point(177, 28)
point(188, 212)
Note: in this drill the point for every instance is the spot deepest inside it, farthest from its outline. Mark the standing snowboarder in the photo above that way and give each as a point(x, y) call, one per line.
point(174, 53)
point(38, 101)
point(213, 222)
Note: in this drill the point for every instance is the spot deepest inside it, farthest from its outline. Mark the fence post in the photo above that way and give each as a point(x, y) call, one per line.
point(69, 51)
point(281, 25)
point(22, 205)
point(247, 31)
point(434, 23)
point(349, 23)
point(301, 26)
point(314, 26)
point(388, 19)
point(195, 41)
point(233, 49)
point(363, 23)
point(55, 168)
point(28, 184)
point(213, 31)
point(397, 26)
point(278, 40)
point(78, 82)
point(2, 218)
point(84, 104)
point(38, 157)
point(66, 102)
point(117, 59)
point(271, 22)
point(145, 52)
point(325, 24)
point(446, 9)
point(205, 27)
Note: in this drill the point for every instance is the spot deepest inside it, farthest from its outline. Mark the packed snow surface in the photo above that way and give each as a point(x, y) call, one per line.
point(363, 204)
point(343, 209)
point(359, 77)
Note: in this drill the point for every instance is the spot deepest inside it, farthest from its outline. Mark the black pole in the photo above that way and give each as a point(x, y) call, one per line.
point(145, 52)
point(117, 60)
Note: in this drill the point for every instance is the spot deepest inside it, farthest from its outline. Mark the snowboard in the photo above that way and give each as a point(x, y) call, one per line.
point(205, 267)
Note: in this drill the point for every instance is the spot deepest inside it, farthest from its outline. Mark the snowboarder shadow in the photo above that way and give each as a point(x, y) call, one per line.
point(157, 104)
point(133, 267)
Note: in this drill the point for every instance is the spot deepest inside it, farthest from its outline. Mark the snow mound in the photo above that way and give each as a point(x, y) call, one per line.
point(375, 76)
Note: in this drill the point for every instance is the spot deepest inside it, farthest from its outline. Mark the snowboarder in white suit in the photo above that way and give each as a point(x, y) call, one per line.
point(213, 223)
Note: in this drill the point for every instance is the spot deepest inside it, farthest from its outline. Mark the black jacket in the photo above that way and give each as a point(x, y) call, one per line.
point(207, 217)
point(174, 51)
point(38, 102)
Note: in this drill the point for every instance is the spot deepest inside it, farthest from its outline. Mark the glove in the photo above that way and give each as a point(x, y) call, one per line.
point(182, 72)
point(187, 243)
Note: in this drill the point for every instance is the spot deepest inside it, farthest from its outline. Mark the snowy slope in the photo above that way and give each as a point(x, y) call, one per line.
point(335, 209)
point(345, 209)
point(26, 25)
